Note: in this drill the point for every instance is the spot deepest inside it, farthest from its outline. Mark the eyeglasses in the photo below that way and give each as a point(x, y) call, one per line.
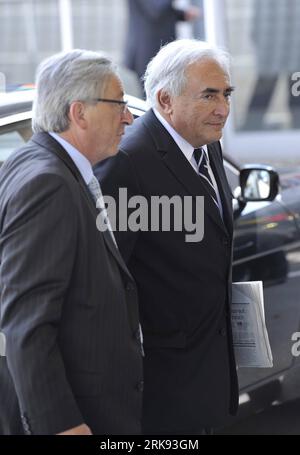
point(122, 104)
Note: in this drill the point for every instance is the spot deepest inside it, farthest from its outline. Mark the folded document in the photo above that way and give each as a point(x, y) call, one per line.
point(250, 336)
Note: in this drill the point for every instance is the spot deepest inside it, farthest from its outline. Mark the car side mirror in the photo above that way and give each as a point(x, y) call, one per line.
point(258, 183)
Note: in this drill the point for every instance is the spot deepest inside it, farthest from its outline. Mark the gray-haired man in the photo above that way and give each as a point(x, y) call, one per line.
point(68, 303)
point(184, 287)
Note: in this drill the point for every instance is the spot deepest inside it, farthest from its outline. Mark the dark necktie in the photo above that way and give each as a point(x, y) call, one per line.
point(201, 160)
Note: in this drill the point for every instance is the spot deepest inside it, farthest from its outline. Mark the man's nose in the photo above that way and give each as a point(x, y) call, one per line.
point(222, 108)
point(127, 117)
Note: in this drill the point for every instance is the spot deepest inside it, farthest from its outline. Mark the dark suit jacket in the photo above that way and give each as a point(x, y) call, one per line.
point(184, 288)
point(151, 24)
point(68, 304)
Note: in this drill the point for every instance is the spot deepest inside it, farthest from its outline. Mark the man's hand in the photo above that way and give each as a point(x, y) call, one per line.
point(192, 13)
point(80, 430)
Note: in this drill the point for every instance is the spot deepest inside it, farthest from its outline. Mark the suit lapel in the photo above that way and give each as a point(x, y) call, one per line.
point(215, 158)
point(46, 141)
point(176, 162)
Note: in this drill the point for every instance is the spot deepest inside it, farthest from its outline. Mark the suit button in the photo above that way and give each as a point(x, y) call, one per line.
point(140, 386)
point(25, 423)
point(24, 419)
point(26, 427)
point(130, 287)
point(222, 332)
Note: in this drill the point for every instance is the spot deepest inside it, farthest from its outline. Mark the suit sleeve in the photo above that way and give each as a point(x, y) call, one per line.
point(115, 175)
point(155, 10)
point(38, 249)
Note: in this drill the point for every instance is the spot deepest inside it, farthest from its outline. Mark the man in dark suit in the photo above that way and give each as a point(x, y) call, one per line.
point(69, 312)
point(184, 285)
point(151, 23)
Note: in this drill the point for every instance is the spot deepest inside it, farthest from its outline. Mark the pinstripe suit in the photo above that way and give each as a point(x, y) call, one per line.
point(68, 304)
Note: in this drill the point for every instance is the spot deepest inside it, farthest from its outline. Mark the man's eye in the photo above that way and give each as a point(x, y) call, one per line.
point(208, 97)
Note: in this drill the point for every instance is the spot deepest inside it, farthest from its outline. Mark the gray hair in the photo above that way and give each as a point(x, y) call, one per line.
point(167, 70)
point(64, 78)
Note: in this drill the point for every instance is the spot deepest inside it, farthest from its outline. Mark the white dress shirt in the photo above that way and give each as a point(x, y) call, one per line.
point(86, 170)
point(188, 151)
point(80, 161)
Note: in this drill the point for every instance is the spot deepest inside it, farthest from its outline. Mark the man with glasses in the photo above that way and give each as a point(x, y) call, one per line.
point(69, 317)
point(173, 152)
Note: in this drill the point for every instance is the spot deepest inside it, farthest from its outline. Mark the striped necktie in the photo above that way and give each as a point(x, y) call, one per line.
point(96, 192)
point(202, 165)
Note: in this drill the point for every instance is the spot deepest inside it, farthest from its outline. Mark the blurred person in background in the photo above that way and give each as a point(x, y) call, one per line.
point(276, 39)
point(198, 24)
point(151, 24)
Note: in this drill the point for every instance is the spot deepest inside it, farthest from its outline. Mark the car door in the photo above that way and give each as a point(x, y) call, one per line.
point(267, 248)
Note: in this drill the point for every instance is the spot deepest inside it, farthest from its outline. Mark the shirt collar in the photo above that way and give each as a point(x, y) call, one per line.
point(186, 148)
point(80, 161)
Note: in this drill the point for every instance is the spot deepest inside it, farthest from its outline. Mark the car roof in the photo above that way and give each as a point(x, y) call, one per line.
point(16, 107)
point(12, 103)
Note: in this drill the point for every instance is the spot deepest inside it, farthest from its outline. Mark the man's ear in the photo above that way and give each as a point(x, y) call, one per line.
point(77, 114)
point(165, 101)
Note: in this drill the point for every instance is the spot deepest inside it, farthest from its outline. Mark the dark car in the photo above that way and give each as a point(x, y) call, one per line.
point(266, 247)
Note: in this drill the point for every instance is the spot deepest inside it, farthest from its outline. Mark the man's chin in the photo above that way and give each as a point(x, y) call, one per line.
point(214, 138)
point(113, 151)
point(108, 154)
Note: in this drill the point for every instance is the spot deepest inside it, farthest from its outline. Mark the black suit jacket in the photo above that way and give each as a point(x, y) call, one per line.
point(184, 288)
point(69, 306)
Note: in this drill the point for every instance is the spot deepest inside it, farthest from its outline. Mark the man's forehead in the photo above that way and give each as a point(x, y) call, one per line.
point(114, 85)
point(208, 74)
point(207, 68)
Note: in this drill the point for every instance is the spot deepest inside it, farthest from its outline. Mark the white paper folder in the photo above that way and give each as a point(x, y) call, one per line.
point(250, 336)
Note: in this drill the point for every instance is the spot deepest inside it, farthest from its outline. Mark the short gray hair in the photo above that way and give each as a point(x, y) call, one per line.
point(167, 70)
point(64, 78)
